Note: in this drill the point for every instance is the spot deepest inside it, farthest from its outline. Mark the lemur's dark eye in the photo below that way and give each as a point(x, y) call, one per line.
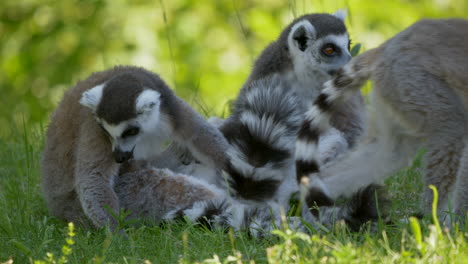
point(330, 49)
point(132, 131)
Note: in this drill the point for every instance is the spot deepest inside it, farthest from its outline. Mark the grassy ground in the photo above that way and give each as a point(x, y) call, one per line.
point(29, 235)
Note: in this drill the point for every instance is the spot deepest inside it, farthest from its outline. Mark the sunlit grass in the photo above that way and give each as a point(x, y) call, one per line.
point(209, 57)
point(28, 234)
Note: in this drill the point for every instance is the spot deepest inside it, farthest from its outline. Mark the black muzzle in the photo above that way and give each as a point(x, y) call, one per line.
point(122, 156)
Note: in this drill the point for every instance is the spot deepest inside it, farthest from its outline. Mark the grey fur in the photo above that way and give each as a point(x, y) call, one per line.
point(151, 194)
point(304, 78)
point(419, 100)
point(265, 120)
point(277, 58)
point(260, 130)
point(78, 168)
point(297, 62)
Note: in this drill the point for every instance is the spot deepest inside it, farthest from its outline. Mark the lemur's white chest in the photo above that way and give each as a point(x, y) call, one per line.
point(151, 144)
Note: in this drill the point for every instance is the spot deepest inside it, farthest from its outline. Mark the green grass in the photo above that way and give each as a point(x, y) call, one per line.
point(29, 235)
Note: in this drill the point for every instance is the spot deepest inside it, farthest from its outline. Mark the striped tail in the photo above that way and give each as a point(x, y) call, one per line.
point(214, 213)
point(346, 83)
point(262, 131)
point(366, 206)
point(226, 213)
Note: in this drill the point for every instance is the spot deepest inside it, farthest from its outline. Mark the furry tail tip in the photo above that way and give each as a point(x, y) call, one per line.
point(211, 214)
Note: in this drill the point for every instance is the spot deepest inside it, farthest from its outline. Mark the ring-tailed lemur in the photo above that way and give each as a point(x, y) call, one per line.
point(269, 109)
point(305, 55)
point(262, 131)
point(112, 116)
point(419, 100)
point(259, 149)
point(158, 194)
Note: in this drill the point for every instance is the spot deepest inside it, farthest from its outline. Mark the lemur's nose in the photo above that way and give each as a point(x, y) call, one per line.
point(122, 156)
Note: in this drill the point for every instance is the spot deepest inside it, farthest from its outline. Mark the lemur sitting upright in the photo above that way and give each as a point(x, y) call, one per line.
point(305, 55)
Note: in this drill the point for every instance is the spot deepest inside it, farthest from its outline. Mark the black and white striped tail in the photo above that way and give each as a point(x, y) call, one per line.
point(216, 213)
point(225, 213)
point(318, 116)
point(262, 131)
point(366, 206)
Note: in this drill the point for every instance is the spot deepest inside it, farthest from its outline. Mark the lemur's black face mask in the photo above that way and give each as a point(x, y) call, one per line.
point(122, 156)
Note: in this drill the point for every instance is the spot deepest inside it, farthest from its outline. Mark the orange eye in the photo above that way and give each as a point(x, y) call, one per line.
point(329, 50)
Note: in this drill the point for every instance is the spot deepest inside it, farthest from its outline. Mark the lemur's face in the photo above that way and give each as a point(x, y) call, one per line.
point(126, 134)
point(327, 53)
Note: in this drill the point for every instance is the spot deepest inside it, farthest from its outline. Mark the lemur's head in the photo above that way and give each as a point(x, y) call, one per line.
point(318, 41)
point(125, 108)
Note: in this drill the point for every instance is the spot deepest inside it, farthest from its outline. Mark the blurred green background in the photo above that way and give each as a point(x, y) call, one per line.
point(203, 49)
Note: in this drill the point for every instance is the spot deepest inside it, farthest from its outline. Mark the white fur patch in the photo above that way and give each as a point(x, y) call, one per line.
point(92, 97)
point(196, 211)
point(265, 172)
point(114, 130)
point(238, 161)
point(147, 100)
point(305, 151)
point(317, 117)
point(155, 129)
point(348, 70)
point(341, 14)
point(330, 90)
point(266, 128)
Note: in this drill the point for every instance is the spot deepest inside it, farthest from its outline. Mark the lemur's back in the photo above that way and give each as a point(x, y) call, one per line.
point(436, 47)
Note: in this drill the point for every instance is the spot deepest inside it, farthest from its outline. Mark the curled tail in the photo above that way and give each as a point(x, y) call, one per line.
point(346, 82)
point(262, 131)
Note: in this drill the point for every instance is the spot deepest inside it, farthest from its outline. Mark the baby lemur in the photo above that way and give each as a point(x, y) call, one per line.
point(113, 116)
point(419, 100)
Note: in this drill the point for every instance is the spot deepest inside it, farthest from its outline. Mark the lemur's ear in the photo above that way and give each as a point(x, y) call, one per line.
point(341, 14)
point(92, 97)
point(147, 101)
point(301, 34)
